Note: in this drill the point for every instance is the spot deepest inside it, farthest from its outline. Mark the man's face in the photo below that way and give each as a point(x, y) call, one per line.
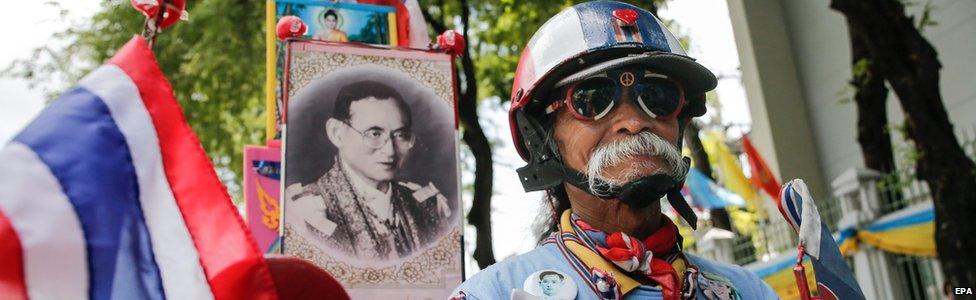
point(379, 164)
point(626, 126)
point(550, 283)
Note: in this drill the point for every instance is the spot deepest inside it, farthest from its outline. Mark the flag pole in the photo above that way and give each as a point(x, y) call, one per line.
point(799, 272)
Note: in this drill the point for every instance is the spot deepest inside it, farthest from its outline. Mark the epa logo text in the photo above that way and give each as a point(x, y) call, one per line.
point(963, 291)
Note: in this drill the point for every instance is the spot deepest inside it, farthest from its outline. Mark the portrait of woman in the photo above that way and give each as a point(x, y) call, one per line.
point(329, 30)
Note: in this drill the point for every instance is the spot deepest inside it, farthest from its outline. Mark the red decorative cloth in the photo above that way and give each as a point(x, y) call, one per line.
point(645, 257)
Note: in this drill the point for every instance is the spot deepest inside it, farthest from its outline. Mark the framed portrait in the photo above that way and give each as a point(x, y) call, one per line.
point(262, 187)
point(327, 20)
point(371, 168)
point(343, 22)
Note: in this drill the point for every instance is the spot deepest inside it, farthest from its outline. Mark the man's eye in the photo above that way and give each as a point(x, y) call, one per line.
point(374, 133)
point(401, 135)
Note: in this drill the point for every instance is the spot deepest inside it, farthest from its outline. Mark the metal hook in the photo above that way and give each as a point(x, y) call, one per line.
point(150, 28)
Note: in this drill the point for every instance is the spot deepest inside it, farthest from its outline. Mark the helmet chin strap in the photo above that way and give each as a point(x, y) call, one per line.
point(545, 171)
point(637, 193)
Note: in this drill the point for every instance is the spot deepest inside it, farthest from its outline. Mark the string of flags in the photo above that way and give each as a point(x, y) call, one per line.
point(736, 189)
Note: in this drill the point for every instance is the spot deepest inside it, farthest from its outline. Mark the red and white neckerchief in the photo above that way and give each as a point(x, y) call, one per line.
point(646, 258)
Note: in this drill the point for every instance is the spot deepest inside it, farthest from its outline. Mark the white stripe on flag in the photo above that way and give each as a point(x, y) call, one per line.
point(53, 244)
point(176, 255)
point(418, 26)
point(810, 224)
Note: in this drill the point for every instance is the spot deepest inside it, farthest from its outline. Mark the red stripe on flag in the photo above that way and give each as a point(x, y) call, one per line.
point(636, 34)
point(234, 267)
point(12, 284)
point(618, 32)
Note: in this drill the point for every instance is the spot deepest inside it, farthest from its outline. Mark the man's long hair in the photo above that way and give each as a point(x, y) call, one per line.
point(554, 203)
point(555, 200)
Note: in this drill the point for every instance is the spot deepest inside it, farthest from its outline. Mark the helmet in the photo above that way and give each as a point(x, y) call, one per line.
point(584, 40)
point(592, 37)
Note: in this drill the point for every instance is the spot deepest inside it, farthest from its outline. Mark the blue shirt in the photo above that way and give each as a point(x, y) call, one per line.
point(498, 280)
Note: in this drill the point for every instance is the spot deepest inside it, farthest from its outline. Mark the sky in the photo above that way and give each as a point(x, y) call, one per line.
point(705, 22)
point(25, 26)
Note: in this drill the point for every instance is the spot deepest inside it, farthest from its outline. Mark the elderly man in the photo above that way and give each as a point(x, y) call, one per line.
point(602, 94)
point(357, 206)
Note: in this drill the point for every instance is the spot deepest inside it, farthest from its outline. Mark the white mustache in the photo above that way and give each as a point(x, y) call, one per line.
point(623, 150)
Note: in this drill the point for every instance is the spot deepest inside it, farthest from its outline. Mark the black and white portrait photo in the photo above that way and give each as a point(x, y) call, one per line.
point(371, 170)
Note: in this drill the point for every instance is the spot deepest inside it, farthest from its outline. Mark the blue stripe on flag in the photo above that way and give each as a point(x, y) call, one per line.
point(909, 220)
point(790, 206)
point(832, 271)
point(845, 234)
point(787, 262)
point(79, 141)
point(598, 29)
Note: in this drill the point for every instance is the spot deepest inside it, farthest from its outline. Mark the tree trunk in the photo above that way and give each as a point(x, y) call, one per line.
point(911, 66)
point(720, 217)
point(872, 115)
point(873, 136)
point(474, 136)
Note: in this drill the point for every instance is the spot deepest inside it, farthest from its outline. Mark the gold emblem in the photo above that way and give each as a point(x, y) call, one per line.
point(627, 79)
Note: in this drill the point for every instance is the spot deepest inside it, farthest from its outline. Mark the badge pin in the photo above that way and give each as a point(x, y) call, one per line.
point(627, 79)
point(550, 284)
point(626, 16)
point(605, 284)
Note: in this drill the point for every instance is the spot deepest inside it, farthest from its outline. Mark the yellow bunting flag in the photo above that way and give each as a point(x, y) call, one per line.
point(730, 172)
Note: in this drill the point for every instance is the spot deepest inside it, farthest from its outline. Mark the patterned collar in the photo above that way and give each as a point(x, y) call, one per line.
point(580, 250)
point(379, 202)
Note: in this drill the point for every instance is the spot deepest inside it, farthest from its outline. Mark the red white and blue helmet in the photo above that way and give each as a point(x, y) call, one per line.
point(593, 37)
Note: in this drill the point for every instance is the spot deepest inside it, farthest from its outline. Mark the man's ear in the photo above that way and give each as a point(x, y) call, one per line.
point(332, 127)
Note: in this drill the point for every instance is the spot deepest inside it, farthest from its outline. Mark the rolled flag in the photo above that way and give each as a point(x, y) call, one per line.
point(834, 279)
point(108, 194)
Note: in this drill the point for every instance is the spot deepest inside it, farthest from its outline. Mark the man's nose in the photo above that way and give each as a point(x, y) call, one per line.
point(629, 118)
point(387, 148)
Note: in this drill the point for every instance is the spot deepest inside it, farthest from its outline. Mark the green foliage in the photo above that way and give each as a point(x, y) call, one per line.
point(214, 61)
point(845, 95)
point(860, 69)
point(926, 18)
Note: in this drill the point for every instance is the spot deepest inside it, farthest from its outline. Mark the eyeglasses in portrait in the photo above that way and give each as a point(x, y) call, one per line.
point(371, 166)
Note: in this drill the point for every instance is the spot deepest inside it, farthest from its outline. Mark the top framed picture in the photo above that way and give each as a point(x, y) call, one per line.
point(331, 21)
point(343, 22)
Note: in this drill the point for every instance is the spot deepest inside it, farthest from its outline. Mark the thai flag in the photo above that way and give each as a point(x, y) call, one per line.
point(108, 194)
point(834, 278)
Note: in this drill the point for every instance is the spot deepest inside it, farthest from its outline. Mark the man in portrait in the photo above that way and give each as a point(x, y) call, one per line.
point(358, 206)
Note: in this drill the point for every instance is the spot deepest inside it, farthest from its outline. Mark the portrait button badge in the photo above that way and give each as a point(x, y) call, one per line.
point(550, 285)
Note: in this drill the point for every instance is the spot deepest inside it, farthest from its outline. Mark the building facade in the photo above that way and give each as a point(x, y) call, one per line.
point(796, 63)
